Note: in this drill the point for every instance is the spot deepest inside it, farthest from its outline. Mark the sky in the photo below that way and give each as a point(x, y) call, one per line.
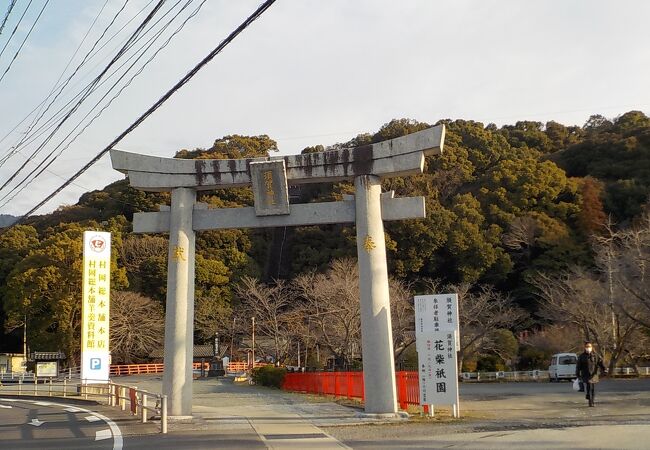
point(312, 72)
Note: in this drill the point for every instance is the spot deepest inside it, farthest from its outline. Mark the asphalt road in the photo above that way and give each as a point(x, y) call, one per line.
point(483, 391)
point(522, 415)
point(499, 415)
point(54, 424)
point(41, 424)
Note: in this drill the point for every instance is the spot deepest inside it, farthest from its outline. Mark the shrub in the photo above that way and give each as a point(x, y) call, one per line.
point(269, 376)
point(490, 363)
point(531, 358)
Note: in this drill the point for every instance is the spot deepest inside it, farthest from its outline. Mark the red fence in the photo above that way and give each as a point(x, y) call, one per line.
point(242, 366)
point(136, 369)
point(350, 385)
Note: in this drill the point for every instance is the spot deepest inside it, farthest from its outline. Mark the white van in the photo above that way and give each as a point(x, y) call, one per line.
point(563, 367)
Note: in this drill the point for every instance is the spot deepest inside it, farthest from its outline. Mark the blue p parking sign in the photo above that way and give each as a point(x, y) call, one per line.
point(95, 363)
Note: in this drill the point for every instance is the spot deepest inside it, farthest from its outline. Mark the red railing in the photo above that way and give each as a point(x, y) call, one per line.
point(137, 369)
point(242, 366)
point(350, 385)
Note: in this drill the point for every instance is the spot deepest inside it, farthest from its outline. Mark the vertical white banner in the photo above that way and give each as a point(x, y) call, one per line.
point(95, 307)
point(437, 341)
point(437, 367)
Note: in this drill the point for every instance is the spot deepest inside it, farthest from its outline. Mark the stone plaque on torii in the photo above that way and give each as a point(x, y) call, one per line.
point(270, 177)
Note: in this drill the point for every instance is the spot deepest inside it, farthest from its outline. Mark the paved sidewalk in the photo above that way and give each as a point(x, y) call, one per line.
point(281, 420)
point(496, 415)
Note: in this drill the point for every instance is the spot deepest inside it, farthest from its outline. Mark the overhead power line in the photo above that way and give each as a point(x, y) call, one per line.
point(88, 90)
point(15, 28)
point(45, 163)
point(85, 93)
point(254, 16)
point(24, 40)
point(39, 108)
point(6, 17)
point(92, 55)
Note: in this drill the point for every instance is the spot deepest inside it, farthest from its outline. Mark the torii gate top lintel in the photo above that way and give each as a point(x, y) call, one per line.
point(392, 158)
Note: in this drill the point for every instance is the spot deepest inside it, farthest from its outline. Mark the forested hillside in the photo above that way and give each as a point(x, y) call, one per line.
point(6, 219)
point(503, 205)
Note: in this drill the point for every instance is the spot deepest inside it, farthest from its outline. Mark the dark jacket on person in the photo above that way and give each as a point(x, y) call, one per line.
point(588, 366)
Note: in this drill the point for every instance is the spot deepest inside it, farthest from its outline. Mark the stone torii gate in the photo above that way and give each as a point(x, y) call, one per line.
point(270, 178)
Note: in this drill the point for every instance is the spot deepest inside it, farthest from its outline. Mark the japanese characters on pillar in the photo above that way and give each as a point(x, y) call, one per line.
point(437, 343)
point(95, 307)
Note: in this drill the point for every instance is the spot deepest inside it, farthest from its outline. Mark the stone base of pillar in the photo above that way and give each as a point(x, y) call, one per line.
point(401, 415)
point(180, 419)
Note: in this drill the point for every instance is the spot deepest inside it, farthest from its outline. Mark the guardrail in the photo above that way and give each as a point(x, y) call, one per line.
point(140, 402)
point(118, 395)
point(12, 377)
point(523, 375)
point(631, 371)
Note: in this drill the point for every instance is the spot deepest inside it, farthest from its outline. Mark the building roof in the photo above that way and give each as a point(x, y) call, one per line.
point(200, 351)
point(46, 356)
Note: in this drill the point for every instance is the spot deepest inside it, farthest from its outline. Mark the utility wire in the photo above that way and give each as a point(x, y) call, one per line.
point(123, 50)
point(258, 12)
point(25, 40)
point(15, 28)
point(62, 114)
point(39, 107)
point(63, 86)
point(85, 93)
point(24, 183)
point(4, 21)
point(77, 82)
point(142, 51)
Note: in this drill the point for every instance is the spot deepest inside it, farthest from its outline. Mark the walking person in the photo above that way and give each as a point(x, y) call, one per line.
point(587, 368)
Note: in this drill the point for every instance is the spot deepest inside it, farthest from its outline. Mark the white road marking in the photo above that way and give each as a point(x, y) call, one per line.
point(72, 410)
point(92, 418)
point(117, 434)
point(103, 434)
point(118, 441)
point(36, 422)
point(6, 406)
point(42, 403)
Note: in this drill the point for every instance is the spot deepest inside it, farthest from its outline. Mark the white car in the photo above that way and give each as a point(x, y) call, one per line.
point(563, 367)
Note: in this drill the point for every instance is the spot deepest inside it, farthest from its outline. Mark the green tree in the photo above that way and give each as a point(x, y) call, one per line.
point(45, 286)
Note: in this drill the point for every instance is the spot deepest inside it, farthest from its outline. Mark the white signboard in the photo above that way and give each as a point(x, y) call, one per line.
point(47, 369)
point(437, 313)
point(95, 309)
point(438, 377)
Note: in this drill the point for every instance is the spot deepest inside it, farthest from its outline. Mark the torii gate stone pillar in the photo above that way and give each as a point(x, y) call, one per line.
point(270, 178)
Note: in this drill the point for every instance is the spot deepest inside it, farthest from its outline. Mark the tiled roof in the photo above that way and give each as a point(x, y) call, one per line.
point(200, 351)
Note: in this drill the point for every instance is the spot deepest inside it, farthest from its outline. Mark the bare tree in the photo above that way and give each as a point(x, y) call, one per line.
point(402, 316)
point(522, 235)
point(580, 299)
point(137, 326)
point(632, 266)
point(272, 306)
point(556, 338)
point(137, 249)
point(213, 316)
point(483, 311)
point(332, 308)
